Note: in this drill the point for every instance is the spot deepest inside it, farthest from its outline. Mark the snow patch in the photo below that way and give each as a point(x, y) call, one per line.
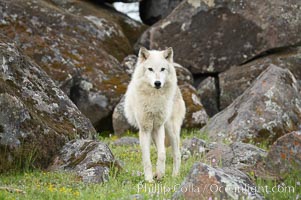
point(130, 9)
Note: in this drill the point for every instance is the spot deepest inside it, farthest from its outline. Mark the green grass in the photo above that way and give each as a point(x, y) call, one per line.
point(288, 188)
point(58, 185)
point(124, 184)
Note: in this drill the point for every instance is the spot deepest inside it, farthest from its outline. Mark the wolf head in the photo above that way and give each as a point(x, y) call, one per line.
point(156, 66)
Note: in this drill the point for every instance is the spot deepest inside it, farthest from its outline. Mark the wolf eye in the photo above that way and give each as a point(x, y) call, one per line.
point(162, 69)
point(150, 69)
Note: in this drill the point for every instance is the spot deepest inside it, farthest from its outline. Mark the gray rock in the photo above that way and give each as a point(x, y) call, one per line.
point(205, 182)
point(82, 60)
point(196, 115)
point(245, 155)
point(237, 155)
point(215, 156)
point(284, 155)
point(265, 111)
point(211, 36)
point(194, 146)
point(128, 64)
point(183, 74)
point(152, 11)
point(94, 104)
point(36, 117)
point(89, 159)
point(209, 95)
point(120, 123)
point(237, 79)
point(126, 141)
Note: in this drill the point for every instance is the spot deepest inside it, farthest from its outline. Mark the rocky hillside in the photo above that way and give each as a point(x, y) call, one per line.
point(65, 65)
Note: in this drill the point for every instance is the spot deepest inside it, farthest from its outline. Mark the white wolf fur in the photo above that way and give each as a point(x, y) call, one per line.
point(154, 104)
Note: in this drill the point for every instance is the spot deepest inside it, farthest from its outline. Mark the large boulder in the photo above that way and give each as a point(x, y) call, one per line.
point(238, 155)
point(209, 93)
point(206, 182)
point(79, 45)
point(152, 11)
point(36, 117)
point(128, 64)
point(211, 36)
point(193, 147)
point(120, 123)
point(237, 79)
point(285, 154)
point(196, 115)
point(183, 75)
point(91, 160)
point(265, 111)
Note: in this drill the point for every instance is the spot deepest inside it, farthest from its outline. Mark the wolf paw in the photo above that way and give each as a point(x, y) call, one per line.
point(175, 174)
point(149, 181)
point(158, 176)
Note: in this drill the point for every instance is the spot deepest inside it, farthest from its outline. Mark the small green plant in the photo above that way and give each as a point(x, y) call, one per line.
point(263, 144)
point(190, 133)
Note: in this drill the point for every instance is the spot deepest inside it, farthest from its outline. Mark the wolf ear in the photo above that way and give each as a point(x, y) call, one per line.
point(168, 54)
point(143, 54)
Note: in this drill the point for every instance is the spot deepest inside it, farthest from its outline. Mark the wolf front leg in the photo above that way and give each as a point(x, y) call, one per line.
point(175, 145)
point(159, 138)
point(145, 141)
point(173, 133)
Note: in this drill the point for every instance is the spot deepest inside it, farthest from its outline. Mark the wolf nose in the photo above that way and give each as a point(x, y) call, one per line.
point(157, 84)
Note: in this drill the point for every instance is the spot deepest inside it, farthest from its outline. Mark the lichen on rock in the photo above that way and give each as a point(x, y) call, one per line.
point(36, 117)
point(89, 159)
point(268, 109)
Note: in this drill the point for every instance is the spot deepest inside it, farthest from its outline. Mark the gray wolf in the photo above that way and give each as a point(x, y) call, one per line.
point(154, 105)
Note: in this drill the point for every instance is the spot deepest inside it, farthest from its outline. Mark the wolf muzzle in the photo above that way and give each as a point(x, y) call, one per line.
point(157, 84)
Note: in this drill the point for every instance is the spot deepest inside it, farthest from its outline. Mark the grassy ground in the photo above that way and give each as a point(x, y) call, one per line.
point(124, 185)
point(287, 189)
